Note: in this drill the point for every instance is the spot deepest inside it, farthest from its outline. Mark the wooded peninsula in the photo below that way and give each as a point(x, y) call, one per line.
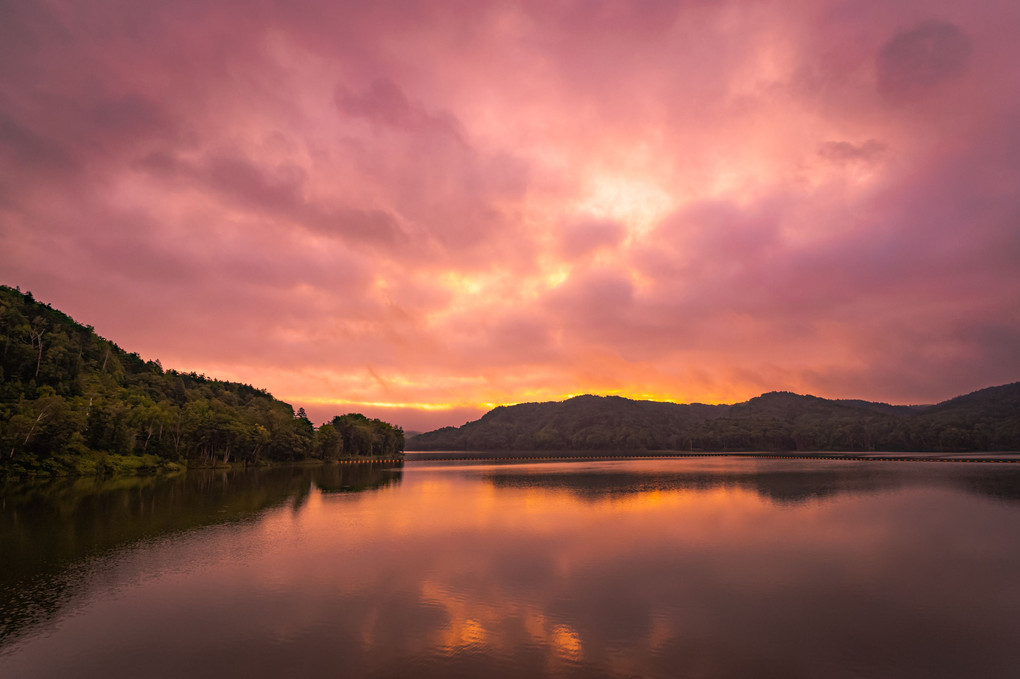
point(74, 403)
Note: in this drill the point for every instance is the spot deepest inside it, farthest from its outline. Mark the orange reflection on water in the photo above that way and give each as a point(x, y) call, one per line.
point(567, 642)
point(496, 559)
point(466, 625)
point(482, 624)
point(458, 546)
point(601, 569)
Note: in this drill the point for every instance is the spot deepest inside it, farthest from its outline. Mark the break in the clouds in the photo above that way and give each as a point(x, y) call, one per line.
point(419, 209)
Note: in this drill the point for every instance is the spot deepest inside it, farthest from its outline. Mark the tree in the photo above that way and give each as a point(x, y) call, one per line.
point(68, 394)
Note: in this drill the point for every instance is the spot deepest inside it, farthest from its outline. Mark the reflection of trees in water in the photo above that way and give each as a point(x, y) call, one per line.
point(51, 530)
point(353, 478)
point(1002, 486)
point(789, 486)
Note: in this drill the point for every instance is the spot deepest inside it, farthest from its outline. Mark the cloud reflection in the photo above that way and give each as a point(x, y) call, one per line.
point(653, 570)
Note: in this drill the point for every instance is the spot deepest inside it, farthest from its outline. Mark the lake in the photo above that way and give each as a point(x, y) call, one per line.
point(690, 567)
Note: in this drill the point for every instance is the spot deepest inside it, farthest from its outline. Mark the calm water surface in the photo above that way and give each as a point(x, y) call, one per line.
point(662, 568)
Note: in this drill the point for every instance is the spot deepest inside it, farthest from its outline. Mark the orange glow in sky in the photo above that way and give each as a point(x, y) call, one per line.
point(420, 211)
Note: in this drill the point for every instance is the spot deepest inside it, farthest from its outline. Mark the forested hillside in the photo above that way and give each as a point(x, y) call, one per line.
point(73, 402)
point(987, 420)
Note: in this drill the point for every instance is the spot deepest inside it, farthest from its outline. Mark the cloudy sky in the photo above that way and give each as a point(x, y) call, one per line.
point(418, 210)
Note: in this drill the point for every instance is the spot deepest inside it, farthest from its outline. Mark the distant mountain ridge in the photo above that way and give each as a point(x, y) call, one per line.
point(985, 420)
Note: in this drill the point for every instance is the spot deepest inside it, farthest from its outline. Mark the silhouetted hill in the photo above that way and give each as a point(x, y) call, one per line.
point(993, 402)
point(987, 420)
point(882, 407)
point(72, 402)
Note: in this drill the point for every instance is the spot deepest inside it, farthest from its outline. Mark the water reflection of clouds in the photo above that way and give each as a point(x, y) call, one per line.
point(665, 568)
point(497, 625)
point(456, 574)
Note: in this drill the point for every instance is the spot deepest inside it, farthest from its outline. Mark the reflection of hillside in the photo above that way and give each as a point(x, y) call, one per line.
point(51, 529)
point(788, 486)
point(1004, 485)
point(355, 478)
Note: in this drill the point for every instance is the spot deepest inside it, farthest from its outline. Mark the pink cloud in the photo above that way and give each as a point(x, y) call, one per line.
point(923, 57)
point(581, 238)
point(408, 204)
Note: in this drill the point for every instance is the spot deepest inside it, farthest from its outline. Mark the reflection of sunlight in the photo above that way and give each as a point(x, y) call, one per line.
point(466, 633)
point(567, 642)
point(481, 612)
point(539, 566)
point(534, 624)
point(468, 580)
point(465, 628)
point(368, 631)
point(474, 623)
point(661, 632)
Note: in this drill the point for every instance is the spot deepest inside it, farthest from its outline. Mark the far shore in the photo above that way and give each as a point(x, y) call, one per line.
point(595, 455)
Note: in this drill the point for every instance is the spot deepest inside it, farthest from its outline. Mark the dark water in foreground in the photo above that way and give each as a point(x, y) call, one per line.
point(660, 568)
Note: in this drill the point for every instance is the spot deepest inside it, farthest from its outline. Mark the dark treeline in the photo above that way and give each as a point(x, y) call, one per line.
point(73, 402)
point(986, 420)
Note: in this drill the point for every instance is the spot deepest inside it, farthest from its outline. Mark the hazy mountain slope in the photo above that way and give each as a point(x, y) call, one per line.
point(983, 421)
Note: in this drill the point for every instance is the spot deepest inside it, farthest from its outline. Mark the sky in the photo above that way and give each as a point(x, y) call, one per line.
point(421, 210)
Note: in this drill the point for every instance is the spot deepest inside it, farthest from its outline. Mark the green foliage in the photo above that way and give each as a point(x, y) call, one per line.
point(987, 420)
point(361, 436)
point(74, 403)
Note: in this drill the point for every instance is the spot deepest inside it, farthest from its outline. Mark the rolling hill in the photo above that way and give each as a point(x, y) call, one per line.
point(72, 402)
point(986, 420)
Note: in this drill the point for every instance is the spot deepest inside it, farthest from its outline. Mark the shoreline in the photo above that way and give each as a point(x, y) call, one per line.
point(112, 466)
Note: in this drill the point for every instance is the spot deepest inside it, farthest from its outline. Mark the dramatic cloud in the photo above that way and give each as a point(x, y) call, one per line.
point(416, 210)
point(922, 57)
